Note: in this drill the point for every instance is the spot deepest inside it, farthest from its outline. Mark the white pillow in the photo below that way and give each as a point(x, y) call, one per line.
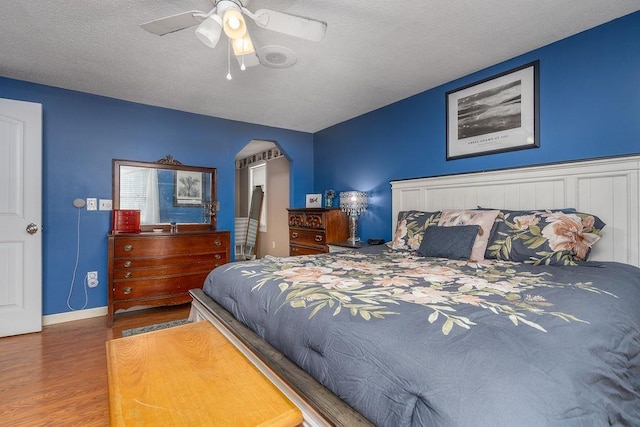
point(481, 217)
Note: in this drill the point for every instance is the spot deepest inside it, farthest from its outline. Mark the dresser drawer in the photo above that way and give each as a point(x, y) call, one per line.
point(164, 270)
point(296, 219)
point(314, 220)
point(295, 250)
point(169, 245)
point(157, 287)
point(308, 237)
point(218, 258)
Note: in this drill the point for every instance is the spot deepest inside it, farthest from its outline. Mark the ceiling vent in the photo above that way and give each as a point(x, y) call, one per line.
point(276, 56)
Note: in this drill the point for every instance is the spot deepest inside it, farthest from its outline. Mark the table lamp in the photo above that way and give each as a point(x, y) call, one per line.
point(353, 203)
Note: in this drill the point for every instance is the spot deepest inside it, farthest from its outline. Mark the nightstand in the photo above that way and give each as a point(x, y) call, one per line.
point(312, 230)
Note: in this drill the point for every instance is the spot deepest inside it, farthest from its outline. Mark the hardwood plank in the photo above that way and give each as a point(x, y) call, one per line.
point(59, 376)
point(191, 375)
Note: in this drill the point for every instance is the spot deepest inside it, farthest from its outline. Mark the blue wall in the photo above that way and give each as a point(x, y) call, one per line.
point(82, 133)
point(589, 107)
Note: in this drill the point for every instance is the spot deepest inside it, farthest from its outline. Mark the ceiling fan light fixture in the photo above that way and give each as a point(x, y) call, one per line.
point(242, 46)
point(231, 16)
point(208, 32)
point(233, 23)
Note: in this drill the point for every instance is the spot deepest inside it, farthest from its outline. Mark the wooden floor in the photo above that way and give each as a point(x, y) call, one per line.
point(58, 377)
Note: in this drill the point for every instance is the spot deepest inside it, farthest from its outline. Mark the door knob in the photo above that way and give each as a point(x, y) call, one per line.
point(32, 228)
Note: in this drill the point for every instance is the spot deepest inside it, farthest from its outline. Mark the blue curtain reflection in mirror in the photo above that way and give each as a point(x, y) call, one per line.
point(153, 192)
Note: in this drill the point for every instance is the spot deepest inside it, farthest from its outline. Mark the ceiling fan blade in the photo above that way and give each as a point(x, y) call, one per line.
point(293, 25)
point(173, 23)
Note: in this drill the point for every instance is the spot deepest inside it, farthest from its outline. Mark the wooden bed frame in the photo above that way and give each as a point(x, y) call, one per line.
point(608, 188)
point(319, 406)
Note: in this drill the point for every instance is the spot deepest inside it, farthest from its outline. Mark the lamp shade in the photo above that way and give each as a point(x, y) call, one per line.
point(233, 24)
point(242, 46)
point(353, 202)
point(208, 32)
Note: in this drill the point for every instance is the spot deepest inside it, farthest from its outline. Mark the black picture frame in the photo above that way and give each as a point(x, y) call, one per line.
point(188, 188)
point(494, 115)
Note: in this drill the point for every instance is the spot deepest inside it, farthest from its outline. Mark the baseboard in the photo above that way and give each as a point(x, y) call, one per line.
point(52, 319)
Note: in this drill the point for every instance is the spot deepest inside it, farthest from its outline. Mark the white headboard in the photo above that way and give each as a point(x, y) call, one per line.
point(608, 188)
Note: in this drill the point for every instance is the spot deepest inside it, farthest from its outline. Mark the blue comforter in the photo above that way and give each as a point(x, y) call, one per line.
point(407, 340)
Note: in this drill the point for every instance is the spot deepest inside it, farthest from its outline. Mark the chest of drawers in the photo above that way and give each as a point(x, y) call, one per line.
point(159, 268)
point(311, 230)
point(125, 221)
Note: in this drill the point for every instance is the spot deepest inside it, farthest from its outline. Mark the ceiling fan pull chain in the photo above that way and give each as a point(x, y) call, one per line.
point(229, 59)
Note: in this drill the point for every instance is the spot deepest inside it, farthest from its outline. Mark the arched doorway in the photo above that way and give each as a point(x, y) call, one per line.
point(263, 163)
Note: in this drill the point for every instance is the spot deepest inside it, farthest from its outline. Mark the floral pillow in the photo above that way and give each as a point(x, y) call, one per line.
point(484, 218)
point(410, 229)
point(544, 237)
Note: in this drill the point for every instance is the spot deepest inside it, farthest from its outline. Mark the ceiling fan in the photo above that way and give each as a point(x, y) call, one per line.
point(228, 16)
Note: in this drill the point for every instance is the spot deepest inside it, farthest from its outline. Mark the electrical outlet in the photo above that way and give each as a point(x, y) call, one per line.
point(273, 244)
point(92, 279)
point(106, 205)
point(92, 204)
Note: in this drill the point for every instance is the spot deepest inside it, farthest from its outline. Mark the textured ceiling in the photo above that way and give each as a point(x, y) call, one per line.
point(373, 54)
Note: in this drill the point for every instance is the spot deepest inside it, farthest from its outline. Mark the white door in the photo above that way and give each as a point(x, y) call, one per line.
point(20, 217)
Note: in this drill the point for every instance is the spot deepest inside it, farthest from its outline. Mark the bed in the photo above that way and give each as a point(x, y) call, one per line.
point(502, 299)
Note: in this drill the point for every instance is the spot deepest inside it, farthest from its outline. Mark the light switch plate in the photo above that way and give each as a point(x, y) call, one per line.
point(92, 204)
point(106, 205)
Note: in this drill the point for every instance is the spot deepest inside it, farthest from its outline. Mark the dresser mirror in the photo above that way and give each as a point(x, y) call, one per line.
point(166, 192)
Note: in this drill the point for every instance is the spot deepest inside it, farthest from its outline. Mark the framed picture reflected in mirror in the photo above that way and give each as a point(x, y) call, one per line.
point(188, 188)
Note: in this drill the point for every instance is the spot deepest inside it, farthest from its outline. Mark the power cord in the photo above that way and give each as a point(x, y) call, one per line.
point(79, 204)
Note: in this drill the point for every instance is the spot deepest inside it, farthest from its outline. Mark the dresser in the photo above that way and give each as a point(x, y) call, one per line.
point(155, 269)
point(312, 230)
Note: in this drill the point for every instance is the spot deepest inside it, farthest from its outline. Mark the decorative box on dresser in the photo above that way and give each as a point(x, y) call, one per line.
point(155, 269)
point(312, 230)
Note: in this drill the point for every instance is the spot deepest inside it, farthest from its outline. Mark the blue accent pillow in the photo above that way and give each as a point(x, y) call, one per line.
point(449, 242)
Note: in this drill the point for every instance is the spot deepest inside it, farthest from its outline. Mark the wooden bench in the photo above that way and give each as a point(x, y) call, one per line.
point(190, 375)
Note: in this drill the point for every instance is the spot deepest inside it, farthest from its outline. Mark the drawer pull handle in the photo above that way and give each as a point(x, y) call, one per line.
point(127, 290)
point(294, 235)
point(217, 256)
point(127, 275)
point(294, 249)
point(318, 238)
point(128, 248)
point(127, 264)
point(218, 243)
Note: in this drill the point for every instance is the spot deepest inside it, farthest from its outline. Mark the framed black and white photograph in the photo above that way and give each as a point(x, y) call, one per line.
point(494, 115)
point(188, 188)
point(314, 201)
